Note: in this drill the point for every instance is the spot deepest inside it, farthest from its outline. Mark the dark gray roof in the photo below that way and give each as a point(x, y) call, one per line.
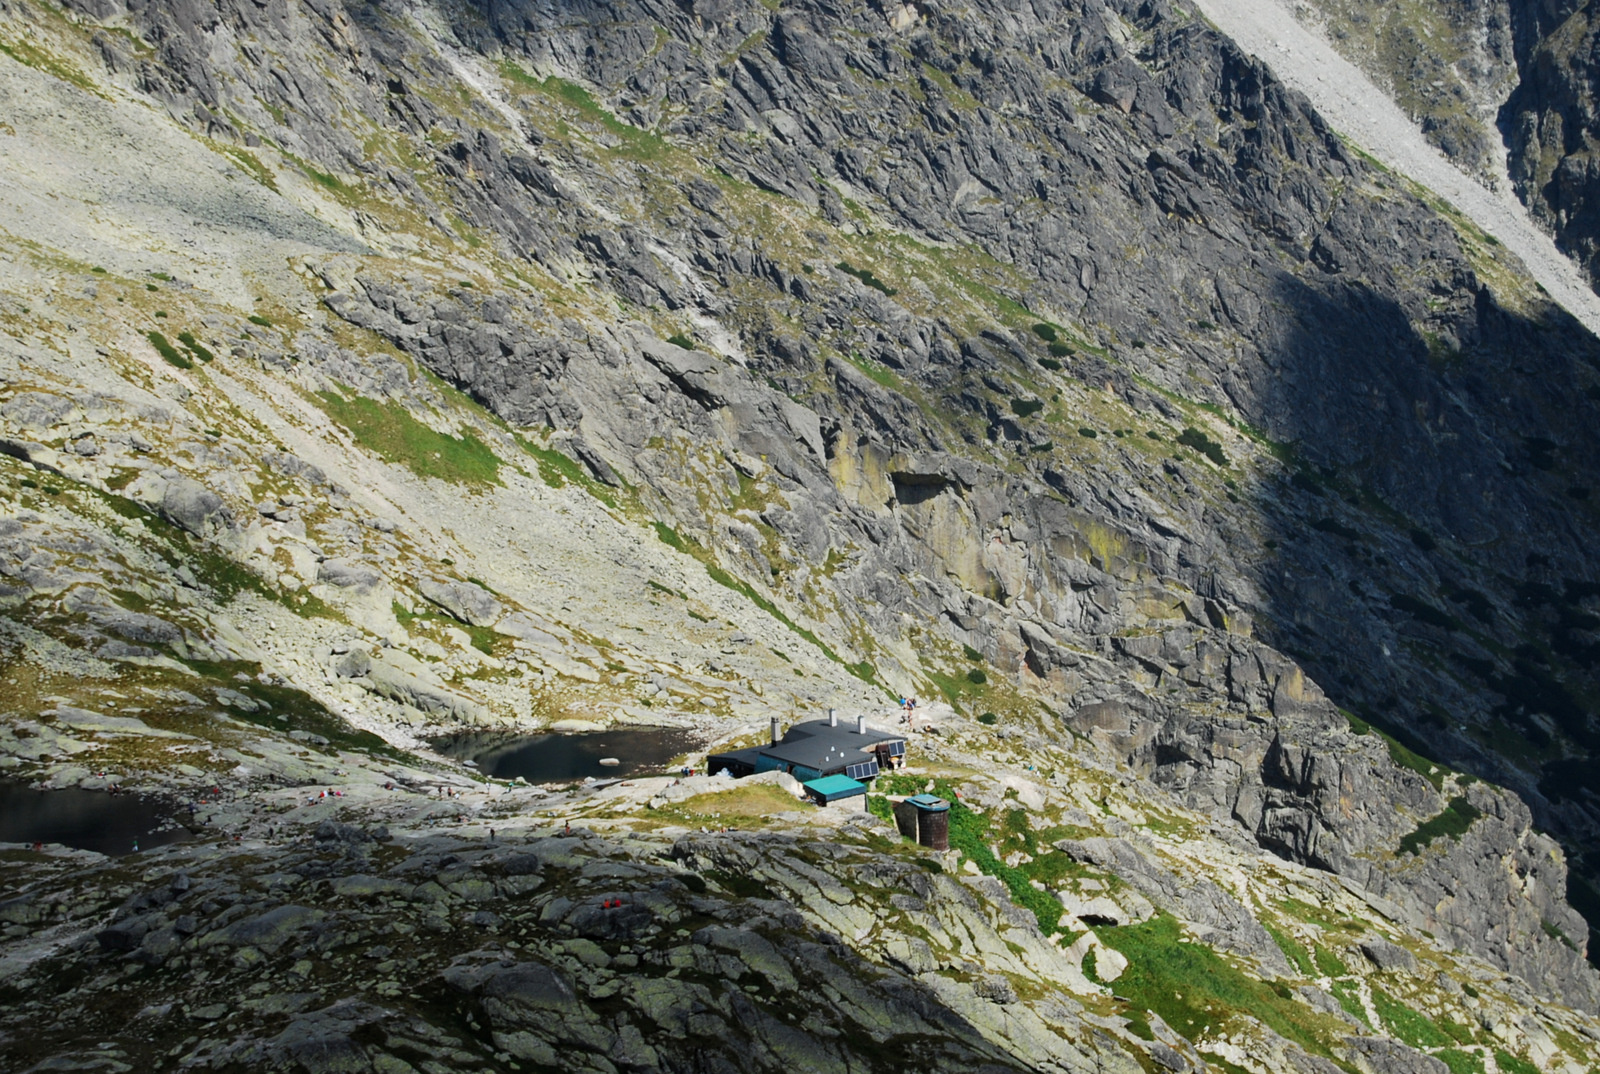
point(814, 744)
point(745, 756)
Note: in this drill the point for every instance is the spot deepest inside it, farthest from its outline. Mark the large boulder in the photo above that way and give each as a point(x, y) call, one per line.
point(187, 503)
point(465, 601)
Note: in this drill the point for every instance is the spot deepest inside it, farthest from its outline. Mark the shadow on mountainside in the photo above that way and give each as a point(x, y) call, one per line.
point(1432, 556)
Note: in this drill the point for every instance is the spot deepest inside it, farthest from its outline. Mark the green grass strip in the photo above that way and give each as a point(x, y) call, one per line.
point(1457, 817)
point(388, 430)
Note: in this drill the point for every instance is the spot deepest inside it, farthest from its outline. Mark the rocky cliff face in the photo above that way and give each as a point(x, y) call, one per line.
point(1055, 360)
point(1549, 122)
point(1450, 65)
point(1491, 83)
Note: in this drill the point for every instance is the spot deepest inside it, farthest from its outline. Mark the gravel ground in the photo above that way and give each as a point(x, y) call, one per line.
point(1360, 111)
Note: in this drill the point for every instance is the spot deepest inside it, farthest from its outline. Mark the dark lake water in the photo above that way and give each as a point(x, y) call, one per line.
point(556, 758)
point(87, 820)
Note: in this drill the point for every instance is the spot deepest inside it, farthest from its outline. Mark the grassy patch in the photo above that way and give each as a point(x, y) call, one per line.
point(223, 576)
point(1413, 1027)
point(1329, 964)
point(1460, 1062)
point(170, 354)
point(1193, 988)
point(746, 806)
point(1291, 950)
point(1349, 1002)
point(866, 277)
point(1457, 817)
point(1510, 1064)
point(636, 143)
point(388, 430)
point(323, 179)
point(289, 709)
point(1199, 441)
point(40, 60)
point(1399, 753)
point(877, 373)
point(195, 347)
point(556, 470)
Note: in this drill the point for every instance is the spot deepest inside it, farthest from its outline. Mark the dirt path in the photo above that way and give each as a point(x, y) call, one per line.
point(1363, 113)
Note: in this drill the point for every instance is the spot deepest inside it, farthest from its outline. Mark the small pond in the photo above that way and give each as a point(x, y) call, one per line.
point(88, 820)
point(559, 758)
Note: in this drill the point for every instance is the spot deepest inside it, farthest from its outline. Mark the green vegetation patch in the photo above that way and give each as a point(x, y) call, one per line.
point(168, 352)
point(223, 576)
point(1199, 441)
point(1349, 1002)
point(636, 143)
point(866, 277)
point(1510, 1064)
point(1460, 1062)
point(1330, 964)
point(1399, 752)
point(31, 56)
point(1291, 950)
point(388, 430)
point(1413, 1027)
point(195, 347)
point(557, 469)
point(1457, 817)
point(1193, 988)
point(877, 373)
point(1026, 408)
point(301, 712)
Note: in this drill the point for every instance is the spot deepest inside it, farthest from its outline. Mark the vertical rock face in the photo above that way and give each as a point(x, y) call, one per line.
point(1551, 125)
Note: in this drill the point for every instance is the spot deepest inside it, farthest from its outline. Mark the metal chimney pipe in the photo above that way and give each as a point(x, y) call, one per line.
point(861, 725)
point(833, 718)
point(774, 731)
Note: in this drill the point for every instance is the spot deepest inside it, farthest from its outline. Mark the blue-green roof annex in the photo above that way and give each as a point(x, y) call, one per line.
point(831, 787)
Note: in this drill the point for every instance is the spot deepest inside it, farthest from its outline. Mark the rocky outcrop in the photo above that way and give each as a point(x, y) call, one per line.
point(466, 601)
point(1550, 123)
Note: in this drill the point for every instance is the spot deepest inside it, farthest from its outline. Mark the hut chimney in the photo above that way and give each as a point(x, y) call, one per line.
point(774, 731)
point(833, 718)
point(861, 725)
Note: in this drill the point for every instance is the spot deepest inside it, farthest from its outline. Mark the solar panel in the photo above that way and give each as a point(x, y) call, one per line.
point(862, 771)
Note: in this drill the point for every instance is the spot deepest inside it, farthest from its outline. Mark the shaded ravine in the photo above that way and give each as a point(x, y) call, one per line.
point(1360, 111)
